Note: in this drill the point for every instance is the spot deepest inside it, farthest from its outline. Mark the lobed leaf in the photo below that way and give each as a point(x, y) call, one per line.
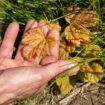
point(91, 73)
point(36, 43)
point(84, 18)
point(76, 35)
point(64, 84)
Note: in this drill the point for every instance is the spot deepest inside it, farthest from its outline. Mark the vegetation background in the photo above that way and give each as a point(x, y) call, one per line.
point(55, 10)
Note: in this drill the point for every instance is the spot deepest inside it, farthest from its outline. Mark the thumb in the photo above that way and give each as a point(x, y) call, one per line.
point(56, 68)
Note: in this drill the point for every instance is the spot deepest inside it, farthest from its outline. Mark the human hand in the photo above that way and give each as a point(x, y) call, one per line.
point(20, 78)
point(7, 46)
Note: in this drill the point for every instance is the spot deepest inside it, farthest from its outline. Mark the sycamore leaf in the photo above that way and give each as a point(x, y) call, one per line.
point(35, 43)
point(64, 84)
point(76, 35)
point(98, 70)
point(91, 73)
point(92, 50)
point(84, 18)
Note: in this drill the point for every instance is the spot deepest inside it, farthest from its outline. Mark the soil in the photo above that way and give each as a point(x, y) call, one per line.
point(83, 94)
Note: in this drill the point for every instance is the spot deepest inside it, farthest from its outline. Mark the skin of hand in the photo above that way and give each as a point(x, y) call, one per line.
point(20, 78)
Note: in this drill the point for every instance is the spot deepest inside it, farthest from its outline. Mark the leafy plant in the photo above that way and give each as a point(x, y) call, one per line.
point(82, 35)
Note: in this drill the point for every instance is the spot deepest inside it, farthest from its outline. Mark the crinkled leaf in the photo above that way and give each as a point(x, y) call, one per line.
point(92, 50)
point(64, 84)
point(76, 35)
point(84, 18)
point(35, 43)
point(92, 73)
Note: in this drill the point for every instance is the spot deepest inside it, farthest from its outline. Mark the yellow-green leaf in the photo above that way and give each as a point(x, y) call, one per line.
point(92, 50)
point(92, 73)
point(77, 34)
point(64, 84)
point(84, 18)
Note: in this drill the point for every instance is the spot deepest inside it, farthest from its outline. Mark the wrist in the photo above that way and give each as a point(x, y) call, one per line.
point(5, 95)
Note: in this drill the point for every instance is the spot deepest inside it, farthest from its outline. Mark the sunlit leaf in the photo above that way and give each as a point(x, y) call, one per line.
point(36, 43)
point(92, 50)
point(64, 84)
point(84, 18)
point(91, 73)
point(76, 35)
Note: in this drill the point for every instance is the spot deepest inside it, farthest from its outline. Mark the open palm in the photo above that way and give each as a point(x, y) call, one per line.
point(7, 47)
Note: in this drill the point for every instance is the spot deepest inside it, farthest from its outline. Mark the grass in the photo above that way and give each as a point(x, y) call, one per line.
point(52, 10)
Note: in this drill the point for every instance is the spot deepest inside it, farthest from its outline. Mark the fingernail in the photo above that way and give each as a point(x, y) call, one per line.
point(14, 24)
point(72, 65)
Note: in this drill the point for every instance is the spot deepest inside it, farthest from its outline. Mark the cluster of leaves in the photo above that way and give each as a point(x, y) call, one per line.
point(82, 34)
point(76, 35)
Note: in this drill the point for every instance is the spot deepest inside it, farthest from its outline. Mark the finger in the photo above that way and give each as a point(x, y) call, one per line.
point(9, 40)
point(48, 60)
point(56, 68)
point(8, 63)
point(30, 24)
point(43, 25)
point(55, 50)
